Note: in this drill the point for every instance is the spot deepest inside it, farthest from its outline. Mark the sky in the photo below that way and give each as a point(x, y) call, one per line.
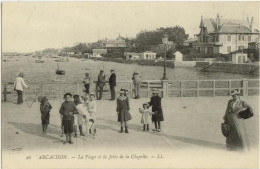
point(32, 26)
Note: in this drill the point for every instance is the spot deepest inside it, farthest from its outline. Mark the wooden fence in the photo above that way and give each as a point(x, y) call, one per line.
point(167, 88)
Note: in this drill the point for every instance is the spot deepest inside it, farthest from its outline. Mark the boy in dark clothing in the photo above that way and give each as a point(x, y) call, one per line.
point(68, 109)
point(100, 84)
point(45, 109)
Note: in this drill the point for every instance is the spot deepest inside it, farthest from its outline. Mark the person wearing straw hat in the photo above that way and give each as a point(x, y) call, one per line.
point(237, 138)
point(68, 109)
point(18, 86)
point(122, 110)
point(157, 115)
point(146, 116)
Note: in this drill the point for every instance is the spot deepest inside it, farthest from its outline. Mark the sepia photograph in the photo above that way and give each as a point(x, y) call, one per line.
point(127, 84)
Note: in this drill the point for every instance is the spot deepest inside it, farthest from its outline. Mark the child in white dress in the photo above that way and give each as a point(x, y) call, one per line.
point(146, 116)
point(92, 108)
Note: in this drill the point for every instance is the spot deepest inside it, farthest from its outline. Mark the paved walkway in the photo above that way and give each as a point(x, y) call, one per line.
point(191, 125)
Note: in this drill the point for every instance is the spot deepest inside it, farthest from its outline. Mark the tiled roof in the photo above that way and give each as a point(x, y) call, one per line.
point(226, 26)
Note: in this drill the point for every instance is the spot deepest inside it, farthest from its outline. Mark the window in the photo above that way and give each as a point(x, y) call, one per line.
point(216, 38)
point(229, 38)
point(229, 49)
point(239, 37)
point(243, 37)
point(249, 38)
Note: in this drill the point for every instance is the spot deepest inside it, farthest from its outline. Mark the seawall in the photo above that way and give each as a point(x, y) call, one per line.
point(252, 69)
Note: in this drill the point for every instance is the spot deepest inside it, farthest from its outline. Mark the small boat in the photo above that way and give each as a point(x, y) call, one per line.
point(58, 71)
point(39, 61)
point(62, 60)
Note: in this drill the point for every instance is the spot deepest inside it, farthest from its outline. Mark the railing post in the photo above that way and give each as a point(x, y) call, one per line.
point(5, 93)
point(180, 88)
point(41, 86)
point(198, 90)
point(131, 89)
point(165, 88)
point(148, 89)
point(229, 84)
point(60, 91)
point(245, 87)
point(213, 88)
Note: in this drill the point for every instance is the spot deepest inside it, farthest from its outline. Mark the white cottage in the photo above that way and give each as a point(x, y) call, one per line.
point(177, 56)
point(239, 57)
point(148, 55)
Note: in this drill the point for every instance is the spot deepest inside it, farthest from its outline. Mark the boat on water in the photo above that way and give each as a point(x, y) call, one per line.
point(59, 71)
point(39, 61)
point(62, 60)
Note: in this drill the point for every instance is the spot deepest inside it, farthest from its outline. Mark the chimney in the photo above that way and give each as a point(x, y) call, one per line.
point(218, 21)
point(250, 23)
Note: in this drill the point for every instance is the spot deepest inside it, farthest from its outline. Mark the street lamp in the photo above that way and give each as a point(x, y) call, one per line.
point(165, 42)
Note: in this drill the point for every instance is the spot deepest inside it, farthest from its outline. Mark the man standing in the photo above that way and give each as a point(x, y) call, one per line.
point(112, 84)
point(100, 84)
point(18, 86)
point(137, 84)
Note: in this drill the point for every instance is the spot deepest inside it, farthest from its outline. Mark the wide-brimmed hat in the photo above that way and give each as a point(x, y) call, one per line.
point(122, 92)
point(67, 94)
point(235, 92)
point(92, 94)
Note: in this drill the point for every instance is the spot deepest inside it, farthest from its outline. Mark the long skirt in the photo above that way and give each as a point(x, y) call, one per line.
point(45, 118)
point(238, 138)
point(68, 126)
point(124, 115)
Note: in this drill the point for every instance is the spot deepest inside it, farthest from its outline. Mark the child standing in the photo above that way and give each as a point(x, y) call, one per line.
point(78, 118)
point(157, 115)
point(146, 116)
point(45, 109)
point(92, 109)
point(68, 109)
point(123, 111)
point(86, 82)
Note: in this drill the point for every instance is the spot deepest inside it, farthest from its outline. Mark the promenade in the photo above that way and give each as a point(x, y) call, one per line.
point(191, 128)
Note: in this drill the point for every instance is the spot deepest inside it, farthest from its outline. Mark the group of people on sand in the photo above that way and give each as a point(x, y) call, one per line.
point(77, 110)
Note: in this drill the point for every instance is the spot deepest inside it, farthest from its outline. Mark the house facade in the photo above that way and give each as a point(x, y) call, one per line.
point(140, 56)
point(224, 35)
point(113, 43)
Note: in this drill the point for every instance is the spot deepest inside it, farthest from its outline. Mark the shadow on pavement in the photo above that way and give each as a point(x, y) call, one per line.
point(36, 129)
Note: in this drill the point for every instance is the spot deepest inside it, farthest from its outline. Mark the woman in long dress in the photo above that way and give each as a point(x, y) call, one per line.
point(238, 138)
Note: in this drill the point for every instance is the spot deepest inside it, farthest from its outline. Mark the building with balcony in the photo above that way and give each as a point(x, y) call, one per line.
point(224, 35)
point(119, 42)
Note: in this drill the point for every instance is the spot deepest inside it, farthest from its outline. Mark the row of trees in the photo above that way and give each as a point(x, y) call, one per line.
point(145, 41)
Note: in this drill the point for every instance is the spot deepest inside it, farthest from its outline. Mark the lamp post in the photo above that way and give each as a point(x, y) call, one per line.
point(165, 42)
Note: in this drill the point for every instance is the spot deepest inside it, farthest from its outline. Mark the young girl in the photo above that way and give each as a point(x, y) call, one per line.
point(146, 116)
point(123, 111)
point(92, 108)
point(45, 109)
point(78, 118)
point(68, 109)
point(157, 115)
point(79, 102)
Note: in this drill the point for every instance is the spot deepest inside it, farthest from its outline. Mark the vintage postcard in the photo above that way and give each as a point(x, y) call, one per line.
point(130, 84)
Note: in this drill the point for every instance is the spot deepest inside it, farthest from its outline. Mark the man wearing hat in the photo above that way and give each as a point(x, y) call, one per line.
point(100, 84)
point(112, 84)
point(18, 86)
point(137, 84)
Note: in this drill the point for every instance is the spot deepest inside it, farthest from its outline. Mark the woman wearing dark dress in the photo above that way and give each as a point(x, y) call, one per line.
point(45, 109)
point(157, 115)
point(68, 109)
point(237, 138)
point(123, 111)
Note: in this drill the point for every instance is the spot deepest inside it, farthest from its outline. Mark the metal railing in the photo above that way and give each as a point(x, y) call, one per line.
point(167, 88)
